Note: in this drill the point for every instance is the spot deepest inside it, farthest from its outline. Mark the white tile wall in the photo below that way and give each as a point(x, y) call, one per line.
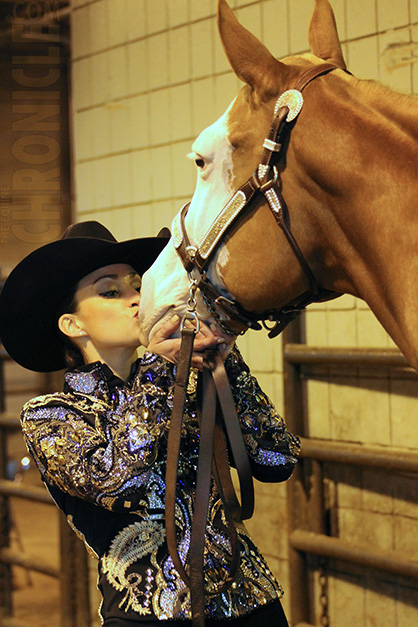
point(138, 67)
point(299, 15)
point(180, 113)
point(157, 59)
point(147, 77)
point(201, 9)
point(82, 87)
point(179, 61)
point(99, 90)
point(396, 55)
point(202, 46)
point(118, 22)
point(363, 59)
point(101, 129)
point(157, 11)
point(99, 35)
point(138, 121)
point(275, 27)
point(361, 18)
point(160, 117)
point(81, 33)
point(178, 12)
point(251, 17)
point(388, 19)
point(138, 18)
point(141, 176)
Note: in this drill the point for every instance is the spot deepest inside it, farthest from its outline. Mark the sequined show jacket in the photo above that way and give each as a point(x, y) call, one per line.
point(101, 449)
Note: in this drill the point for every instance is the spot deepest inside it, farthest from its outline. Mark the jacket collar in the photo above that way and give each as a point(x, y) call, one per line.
point(97, 379)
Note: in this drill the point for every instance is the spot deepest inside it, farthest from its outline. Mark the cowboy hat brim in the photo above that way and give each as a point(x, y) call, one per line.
point(39, 284)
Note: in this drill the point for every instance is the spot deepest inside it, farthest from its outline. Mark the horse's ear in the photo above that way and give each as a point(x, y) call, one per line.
point(249, 58)
point(323, 34)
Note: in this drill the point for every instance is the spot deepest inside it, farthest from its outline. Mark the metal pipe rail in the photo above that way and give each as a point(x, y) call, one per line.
point(306, 506)
point(4, 355)
point(10, 422)
point(359, 455)
point(18, 558)
point(12, 622)
point(393, 562)
point(31, 493)
point(303, 354)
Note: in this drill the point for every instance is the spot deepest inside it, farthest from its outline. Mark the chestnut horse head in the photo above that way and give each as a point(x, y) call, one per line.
point(346, 174)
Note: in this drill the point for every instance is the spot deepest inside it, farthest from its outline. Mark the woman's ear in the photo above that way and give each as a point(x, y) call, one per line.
point(70, 326)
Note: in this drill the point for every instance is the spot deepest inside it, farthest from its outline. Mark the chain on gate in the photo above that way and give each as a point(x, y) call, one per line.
point(323, 598)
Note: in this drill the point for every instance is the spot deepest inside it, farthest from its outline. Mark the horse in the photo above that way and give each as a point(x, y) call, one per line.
point(345, 177)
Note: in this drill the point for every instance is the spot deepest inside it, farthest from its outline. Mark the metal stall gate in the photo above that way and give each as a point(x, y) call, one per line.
point(72, 570)
point(311, 542)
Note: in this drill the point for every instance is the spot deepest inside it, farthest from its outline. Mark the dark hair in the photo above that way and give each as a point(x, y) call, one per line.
point(72, 354)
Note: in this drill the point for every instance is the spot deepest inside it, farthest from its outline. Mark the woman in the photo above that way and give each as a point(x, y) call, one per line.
point(101, 444)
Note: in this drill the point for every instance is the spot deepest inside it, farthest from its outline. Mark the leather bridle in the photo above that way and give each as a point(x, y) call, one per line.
point(218, 415)
point(265, 181)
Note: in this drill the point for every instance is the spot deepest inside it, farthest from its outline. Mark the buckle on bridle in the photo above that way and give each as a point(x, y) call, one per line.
point(191, 251)
point(190, 315)
point(271, 182)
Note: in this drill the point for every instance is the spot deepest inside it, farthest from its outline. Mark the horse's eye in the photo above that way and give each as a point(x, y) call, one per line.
point(199, 162)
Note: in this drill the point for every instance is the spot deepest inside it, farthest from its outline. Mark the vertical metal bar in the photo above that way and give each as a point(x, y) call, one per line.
point(296, 496)
point(6, 601)
point(2, 392)
point(82, 584)
point(75, 591)
point(68, 575)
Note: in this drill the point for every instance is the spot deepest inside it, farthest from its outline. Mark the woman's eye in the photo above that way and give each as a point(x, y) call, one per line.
point(136, 284)
point(200, 162)
point(110, 294)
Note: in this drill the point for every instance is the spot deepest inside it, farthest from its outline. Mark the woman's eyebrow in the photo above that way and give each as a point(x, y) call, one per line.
point(115, 276)
point(106, 276)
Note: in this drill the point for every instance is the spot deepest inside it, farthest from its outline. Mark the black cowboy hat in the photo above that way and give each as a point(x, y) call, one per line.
point(40, 283)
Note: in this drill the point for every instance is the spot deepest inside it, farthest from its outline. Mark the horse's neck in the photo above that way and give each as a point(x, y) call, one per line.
point(361, 145)
point(399, 108)
point(367, 204)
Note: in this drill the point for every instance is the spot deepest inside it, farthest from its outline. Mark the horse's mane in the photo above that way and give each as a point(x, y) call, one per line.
point(388, 111)
point(375, 89)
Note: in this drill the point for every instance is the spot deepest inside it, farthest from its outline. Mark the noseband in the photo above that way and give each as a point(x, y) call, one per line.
point(265, 181)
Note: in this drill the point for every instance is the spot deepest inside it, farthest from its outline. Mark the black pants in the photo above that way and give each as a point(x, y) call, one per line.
point(270, 615)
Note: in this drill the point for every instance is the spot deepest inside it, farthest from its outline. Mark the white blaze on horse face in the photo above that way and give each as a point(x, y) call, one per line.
point(212, 152)
point(165, 286)
point(162, 292)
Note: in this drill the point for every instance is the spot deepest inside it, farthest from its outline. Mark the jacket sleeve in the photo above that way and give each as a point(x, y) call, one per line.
point(272, 449)
point(98, 451)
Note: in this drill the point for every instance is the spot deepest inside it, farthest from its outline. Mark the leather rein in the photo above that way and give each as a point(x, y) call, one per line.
point(266, 181)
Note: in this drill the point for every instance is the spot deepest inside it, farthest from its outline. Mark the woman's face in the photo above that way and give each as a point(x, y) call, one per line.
point(107, 312)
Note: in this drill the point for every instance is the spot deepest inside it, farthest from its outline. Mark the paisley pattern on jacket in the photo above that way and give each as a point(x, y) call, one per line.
point(104, 441)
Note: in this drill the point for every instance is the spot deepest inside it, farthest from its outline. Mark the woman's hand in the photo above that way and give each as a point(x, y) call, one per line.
point(163, 344)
